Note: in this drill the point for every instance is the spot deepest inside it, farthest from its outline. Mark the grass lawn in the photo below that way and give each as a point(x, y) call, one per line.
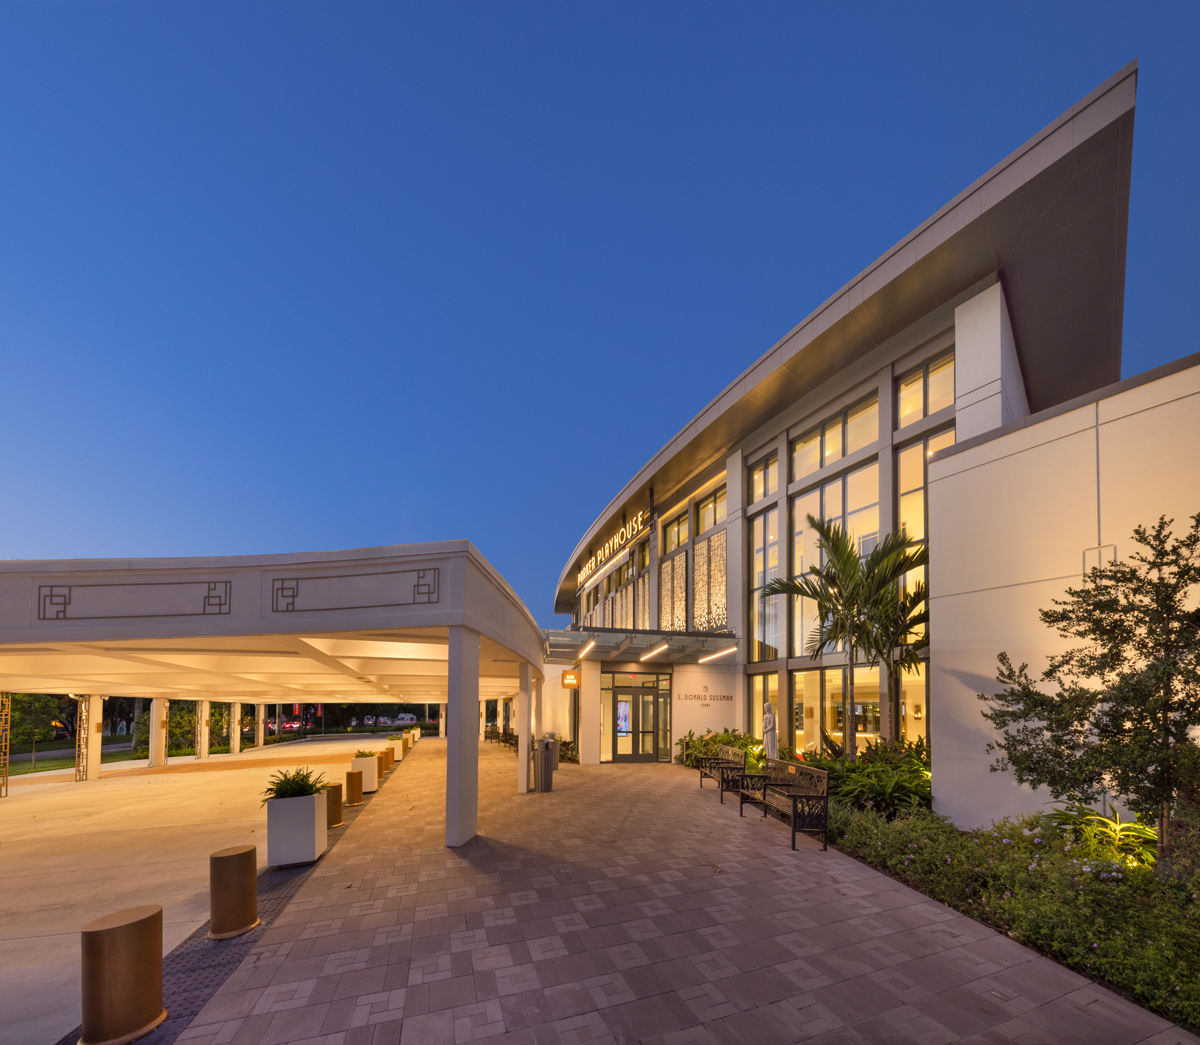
point(44, 765)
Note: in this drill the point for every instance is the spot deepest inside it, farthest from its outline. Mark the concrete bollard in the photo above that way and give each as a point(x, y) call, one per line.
point(232, 891)
point(354, 787)
point(122, 976)
point(333, 805)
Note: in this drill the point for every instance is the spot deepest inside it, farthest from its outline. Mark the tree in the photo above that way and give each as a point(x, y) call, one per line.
point(859, 604)
point(1127, 697)
point(897, 631)
point(32, 719)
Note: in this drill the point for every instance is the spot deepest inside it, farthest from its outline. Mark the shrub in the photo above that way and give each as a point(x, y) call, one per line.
point(365, 754)
point(886, 778)
point(692, 747)
point(294, 783)
point(1068, 891)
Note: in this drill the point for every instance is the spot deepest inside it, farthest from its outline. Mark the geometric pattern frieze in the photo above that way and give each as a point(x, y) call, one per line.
point(121, 600)
point(354, 591)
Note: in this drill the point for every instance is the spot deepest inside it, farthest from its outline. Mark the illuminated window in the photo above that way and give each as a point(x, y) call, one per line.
point(764, 478)
point(765, 613)
point(763, 689)
point(925, 390)
point(710, 511)
point(841, 435)
point(806, 455)
point(911, 481)
point(675, 533)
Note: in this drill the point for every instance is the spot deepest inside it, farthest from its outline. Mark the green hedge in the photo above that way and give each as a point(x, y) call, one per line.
point(1067, 893)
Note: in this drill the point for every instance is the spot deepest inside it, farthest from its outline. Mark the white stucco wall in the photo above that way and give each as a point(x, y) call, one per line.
point(1010, 521)
point(704, 697)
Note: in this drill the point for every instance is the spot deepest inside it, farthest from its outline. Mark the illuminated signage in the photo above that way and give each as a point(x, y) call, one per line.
point(614, 544)
point(570, 680)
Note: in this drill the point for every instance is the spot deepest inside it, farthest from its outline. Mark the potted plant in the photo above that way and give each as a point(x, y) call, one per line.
point(296, 817)
point(369, 765)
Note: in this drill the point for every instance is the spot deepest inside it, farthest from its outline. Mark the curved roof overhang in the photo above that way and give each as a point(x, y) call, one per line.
point(368, 625)
point(1050, 220)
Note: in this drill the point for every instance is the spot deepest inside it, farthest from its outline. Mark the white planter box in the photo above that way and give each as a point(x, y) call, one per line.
point(370, 772)
point(398, 749)
point(296, 830)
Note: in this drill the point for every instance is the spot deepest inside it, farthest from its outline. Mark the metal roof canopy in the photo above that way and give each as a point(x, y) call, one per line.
point(619, 644)
point(1051, 220)
point(360, 626)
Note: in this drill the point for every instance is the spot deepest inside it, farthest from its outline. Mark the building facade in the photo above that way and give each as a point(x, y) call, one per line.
point(1002, 307)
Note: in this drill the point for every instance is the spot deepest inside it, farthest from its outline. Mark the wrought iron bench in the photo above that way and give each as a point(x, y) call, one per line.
point(799, 792)
point(491, 733)
point(725, 767)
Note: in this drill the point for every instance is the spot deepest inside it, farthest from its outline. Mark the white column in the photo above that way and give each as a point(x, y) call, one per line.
point(589, 712)
point(462, 748)
point(279, 720)
point(159, 709)
point(441, 720)
point(95, 736)
point(260, 716)
point(235, 728)
point(202, 711)
point(524, 702)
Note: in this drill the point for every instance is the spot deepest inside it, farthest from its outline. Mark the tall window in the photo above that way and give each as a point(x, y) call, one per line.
point(765, 613)
point(925, 390)
point(805, 555)
point(911, 480)
point(675, 533)
point(849, 431)
point(764, 478)
point(710, 511)
point(763, 688)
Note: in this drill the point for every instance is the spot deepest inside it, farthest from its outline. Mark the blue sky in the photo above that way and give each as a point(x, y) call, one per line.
point(281, 277)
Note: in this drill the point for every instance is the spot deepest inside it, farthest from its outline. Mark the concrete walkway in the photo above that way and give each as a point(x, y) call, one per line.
point(628, 906)
point(70, 852)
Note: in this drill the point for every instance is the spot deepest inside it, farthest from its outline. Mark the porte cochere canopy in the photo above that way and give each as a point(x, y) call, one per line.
point(410, 623)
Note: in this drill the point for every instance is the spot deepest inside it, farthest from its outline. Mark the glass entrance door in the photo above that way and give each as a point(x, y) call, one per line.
point(635, 725)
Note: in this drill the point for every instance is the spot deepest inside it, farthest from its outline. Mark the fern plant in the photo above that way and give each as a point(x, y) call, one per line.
point(294, 783)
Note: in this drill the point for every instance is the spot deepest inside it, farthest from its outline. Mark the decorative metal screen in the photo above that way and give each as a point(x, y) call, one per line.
point(709, 604)
point(643, 602)
point(199, 727)
point(82, 724)
point(672, 594)
point(5, 733)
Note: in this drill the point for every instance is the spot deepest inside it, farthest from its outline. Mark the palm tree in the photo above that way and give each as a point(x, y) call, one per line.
point(897, 626)
point(859, 605)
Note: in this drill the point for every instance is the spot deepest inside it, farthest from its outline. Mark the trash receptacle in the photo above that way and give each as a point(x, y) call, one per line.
point(543, 766)
point(554, 743)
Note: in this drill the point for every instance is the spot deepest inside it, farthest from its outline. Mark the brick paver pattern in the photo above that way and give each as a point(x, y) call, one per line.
point(629, 906)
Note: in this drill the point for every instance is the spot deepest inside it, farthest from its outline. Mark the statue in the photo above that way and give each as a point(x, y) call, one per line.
point(770, 742)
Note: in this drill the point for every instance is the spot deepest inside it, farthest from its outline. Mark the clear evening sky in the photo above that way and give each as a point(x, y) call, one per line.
point(283, 277)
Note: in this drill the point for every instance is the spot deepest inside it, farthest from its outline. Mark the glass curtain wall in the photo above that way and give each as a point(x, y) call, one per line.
point(762, 689)
point(765, 613)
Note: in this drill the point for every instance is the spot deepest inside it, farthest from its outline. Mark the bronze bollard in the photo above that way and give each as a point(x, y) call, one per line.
point(354, 787)
point(382, 766)
point(333, 805)
point(122, 976)
point(232, 891)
